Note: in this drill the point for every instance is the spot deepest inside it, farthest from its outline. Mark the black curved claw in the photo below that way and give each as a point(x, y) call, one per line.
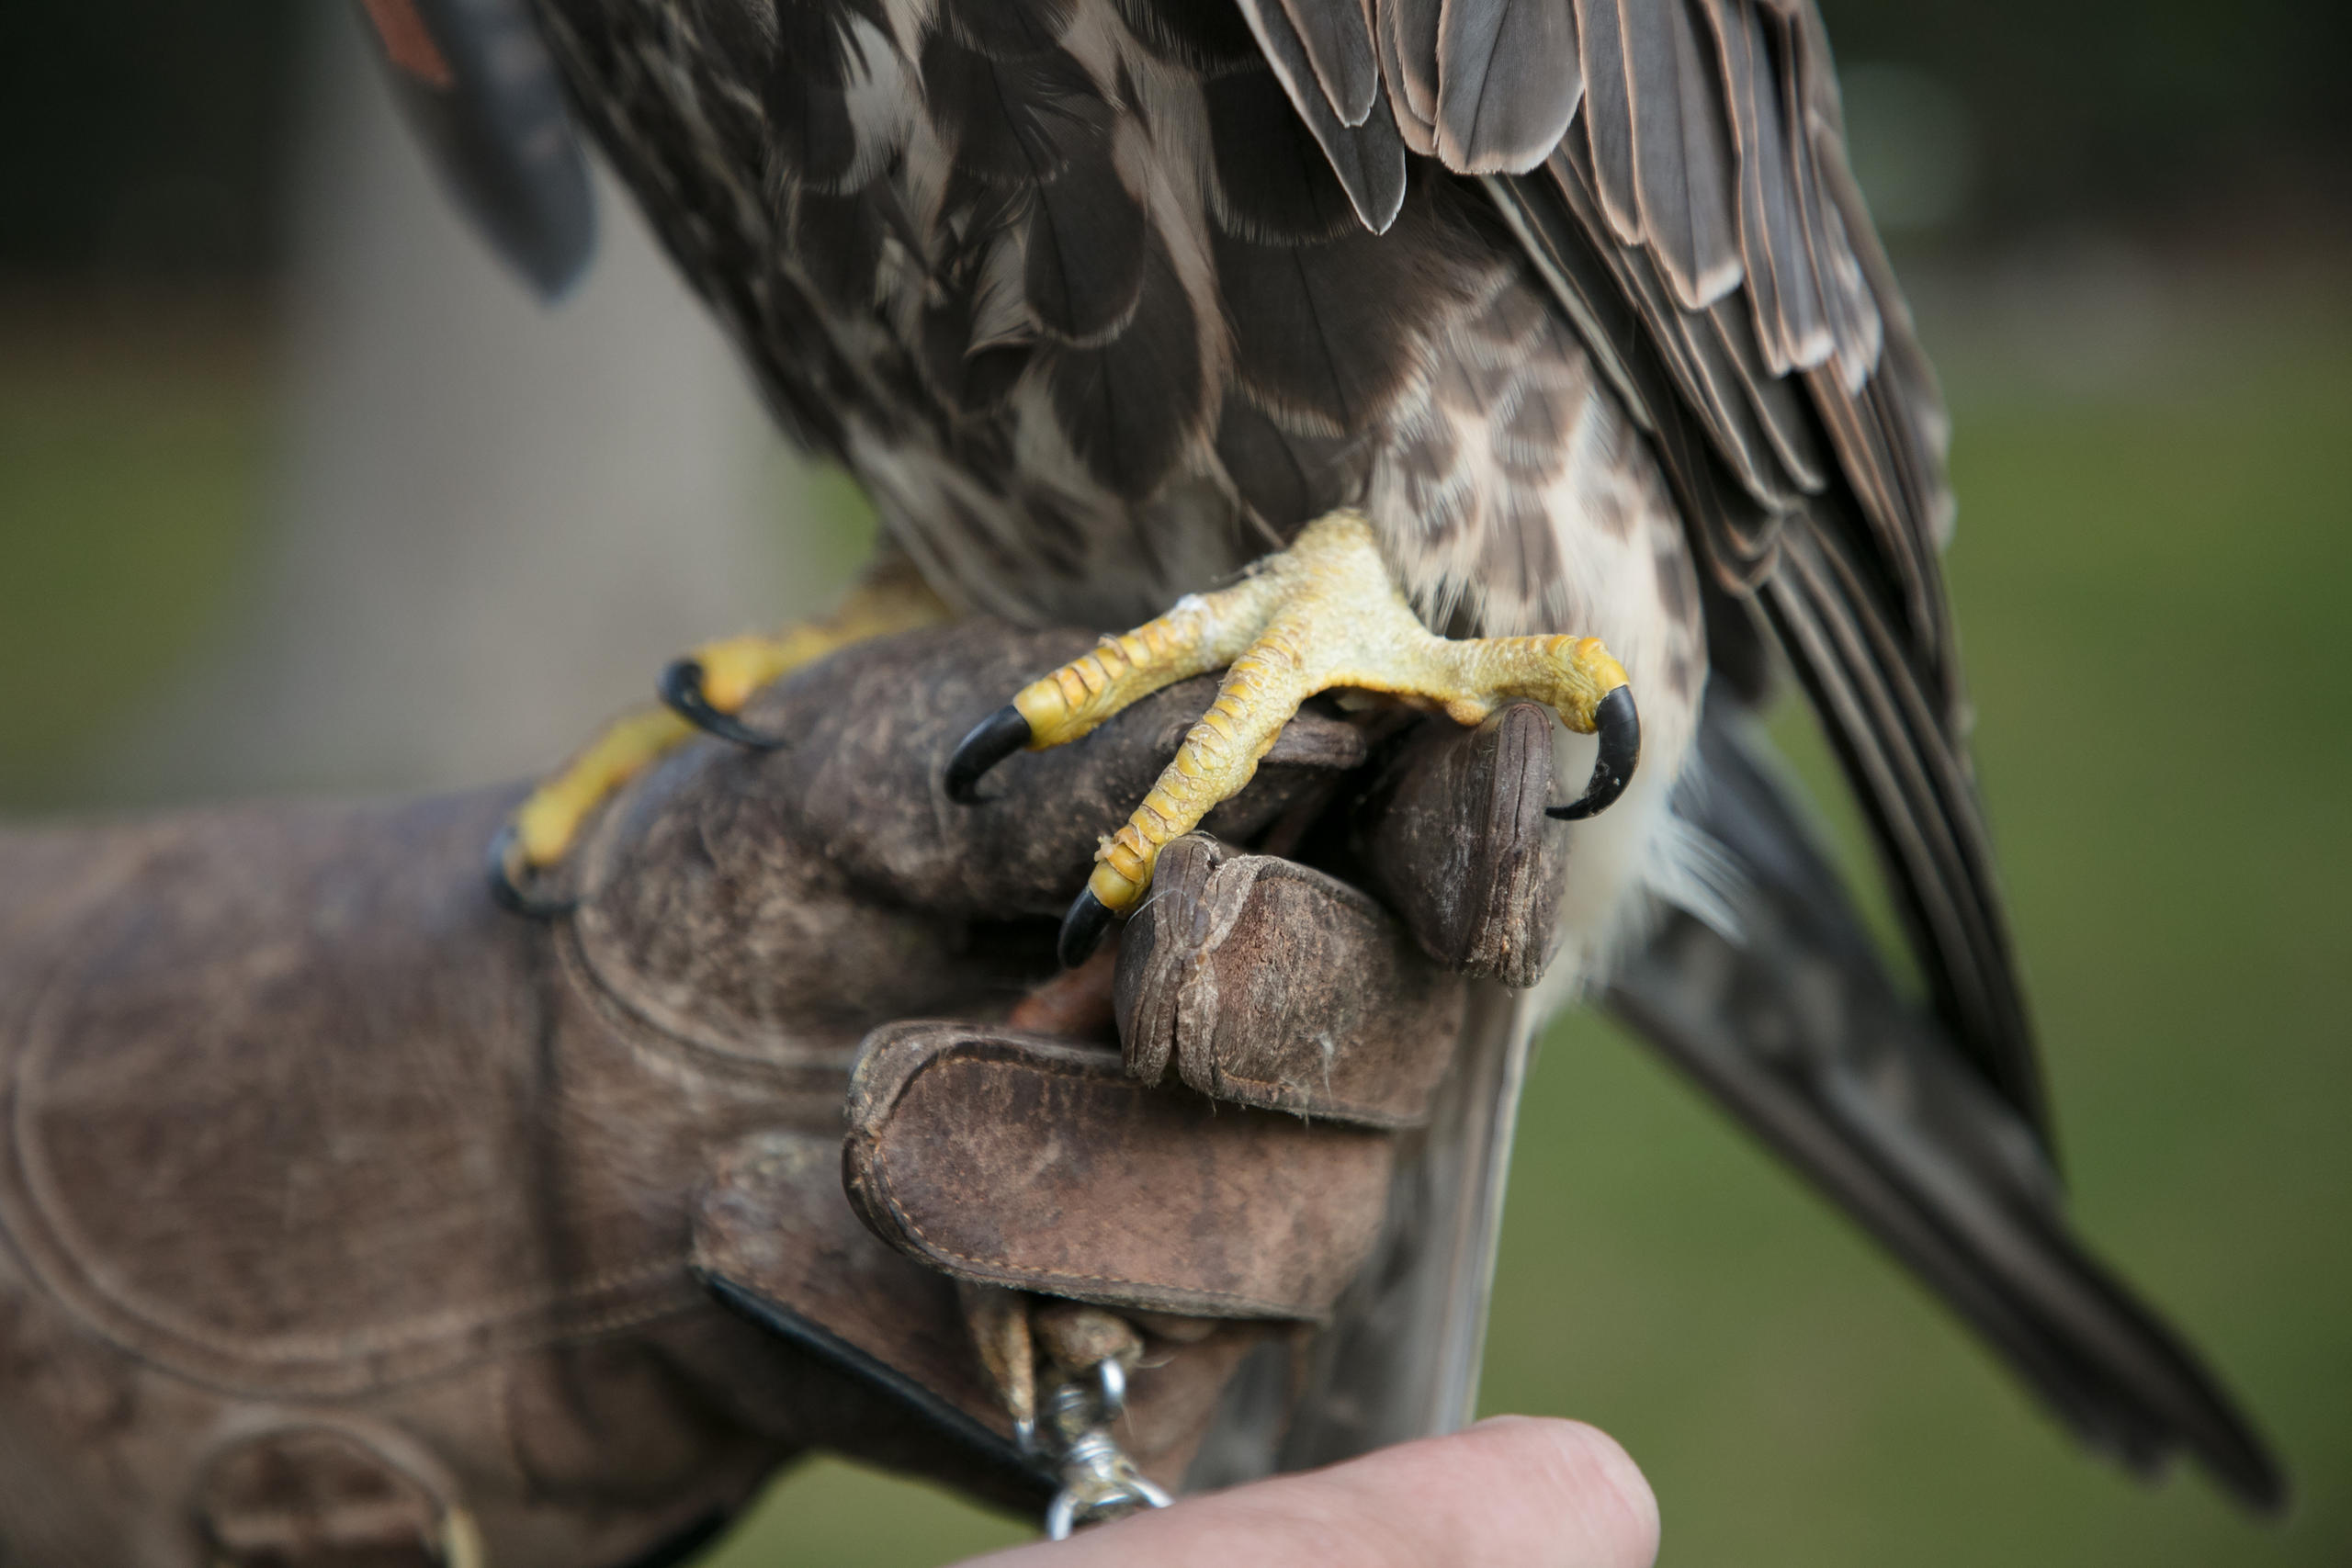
point(681, 688)
point(1620, 727)
point(507, 889)
point(1082, 930)
point(992, 740)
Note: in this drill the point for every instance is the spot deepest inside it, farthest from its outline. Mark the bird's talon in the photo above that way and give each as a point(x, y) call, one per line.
point(992, 740)
point(510, 876)
point(1082, 930)
point(681, 693)
point(1618, 724)
point(1323, 615)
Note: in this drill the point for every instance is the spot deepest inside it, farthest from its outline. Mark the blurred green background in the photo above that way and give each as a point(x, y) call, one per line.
point(2123, 225)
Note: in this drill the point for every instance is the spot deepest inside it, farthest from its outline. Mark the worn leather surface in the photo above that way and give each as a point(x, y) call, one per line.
point(340, 1206)
point(777, 1236)
point(1267, 983)
point(1025, 1161)
point(305, 1137)
point(871, 730)
point(1456, 842)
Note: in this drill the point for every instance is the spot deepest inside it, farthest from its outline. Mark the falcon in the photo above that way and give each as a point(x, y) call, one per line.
point(1462, 351)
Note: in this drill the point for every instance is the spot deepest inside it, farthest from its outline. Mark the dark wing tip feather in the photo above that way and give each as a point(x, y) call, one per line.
point(1369, 157)
point(1208, 40)
point(1912, 775)
point(1271, 180)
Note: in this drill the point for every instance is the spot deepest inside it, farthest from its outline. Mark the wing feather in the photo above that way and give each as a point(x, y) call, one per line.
point(1790, 320)
point(1705, 236)
point(1412, 28)
point(1779, 403)
point(1609, 115)
point(1337, 38)
point(1508, 80)
point(1693, 350)
point(1915, 785)
point(1412, 121)
point(1369, 157)
point(1683, 156)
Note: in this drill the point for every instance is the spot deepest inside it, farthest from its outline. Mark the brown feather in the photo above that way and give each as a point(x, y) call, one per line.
point(1337, 41)
point(1683, 155)
point(1508, 80)
point(1131, 406)
point(1368, 158)
point(1609, 115)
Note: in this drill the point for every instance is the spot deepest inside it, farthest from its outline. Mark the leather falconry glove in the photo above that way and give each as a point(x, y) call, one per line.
point(352, 1219)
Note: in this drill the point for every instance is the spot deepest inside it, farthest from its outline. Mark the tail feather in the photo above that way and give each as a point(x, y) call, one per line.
point(1797, 1031)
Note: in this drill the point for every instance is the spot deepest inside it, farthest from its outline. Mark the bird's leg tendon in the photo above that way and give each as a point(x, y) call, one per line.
point(1203, 632)
point(703, 691)
point(1323, 614)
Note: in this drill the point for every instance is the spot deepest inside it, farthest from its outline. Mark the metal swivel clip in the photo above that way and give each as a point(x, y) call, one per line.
point(1099, 1482)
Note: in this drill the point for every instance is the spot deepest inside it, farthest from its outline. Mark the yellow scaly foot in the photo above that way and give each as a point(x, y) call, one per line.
point(703, 691)
point(1321, 615)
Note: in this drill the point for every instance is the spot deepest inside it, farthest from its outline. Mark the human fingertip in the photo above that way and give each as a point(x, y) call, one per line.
point(1586, 1478)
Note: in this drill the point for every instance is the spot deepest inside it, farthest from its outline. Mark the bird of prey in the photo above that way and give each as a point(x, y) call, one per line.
point(1554, 321)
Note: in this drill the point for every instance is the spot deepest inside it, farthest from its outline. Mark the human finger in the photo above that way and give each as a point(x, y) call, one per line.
point(1532, 1493)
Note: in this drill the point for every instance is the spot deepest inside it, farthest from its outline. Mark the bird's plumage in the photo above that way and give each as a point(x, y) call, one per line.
point(1579, 301)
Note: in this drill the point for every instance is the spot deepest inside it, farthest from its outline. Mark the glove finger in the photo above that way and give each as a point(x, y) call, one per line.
point(1268, 984)
point(1454, 840)
point(816, 891)
point(873, 727)
point(1040, 1165)
point(774, 1240)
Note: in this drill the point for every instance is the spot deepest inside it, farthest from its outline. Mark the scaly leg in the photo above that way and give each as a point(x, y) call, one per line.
point(1321, 615)
point(703, 691)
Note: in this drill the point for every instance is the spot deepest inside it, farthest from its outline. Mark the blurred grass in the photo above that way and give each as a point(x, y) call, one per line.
point(2150, 571)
